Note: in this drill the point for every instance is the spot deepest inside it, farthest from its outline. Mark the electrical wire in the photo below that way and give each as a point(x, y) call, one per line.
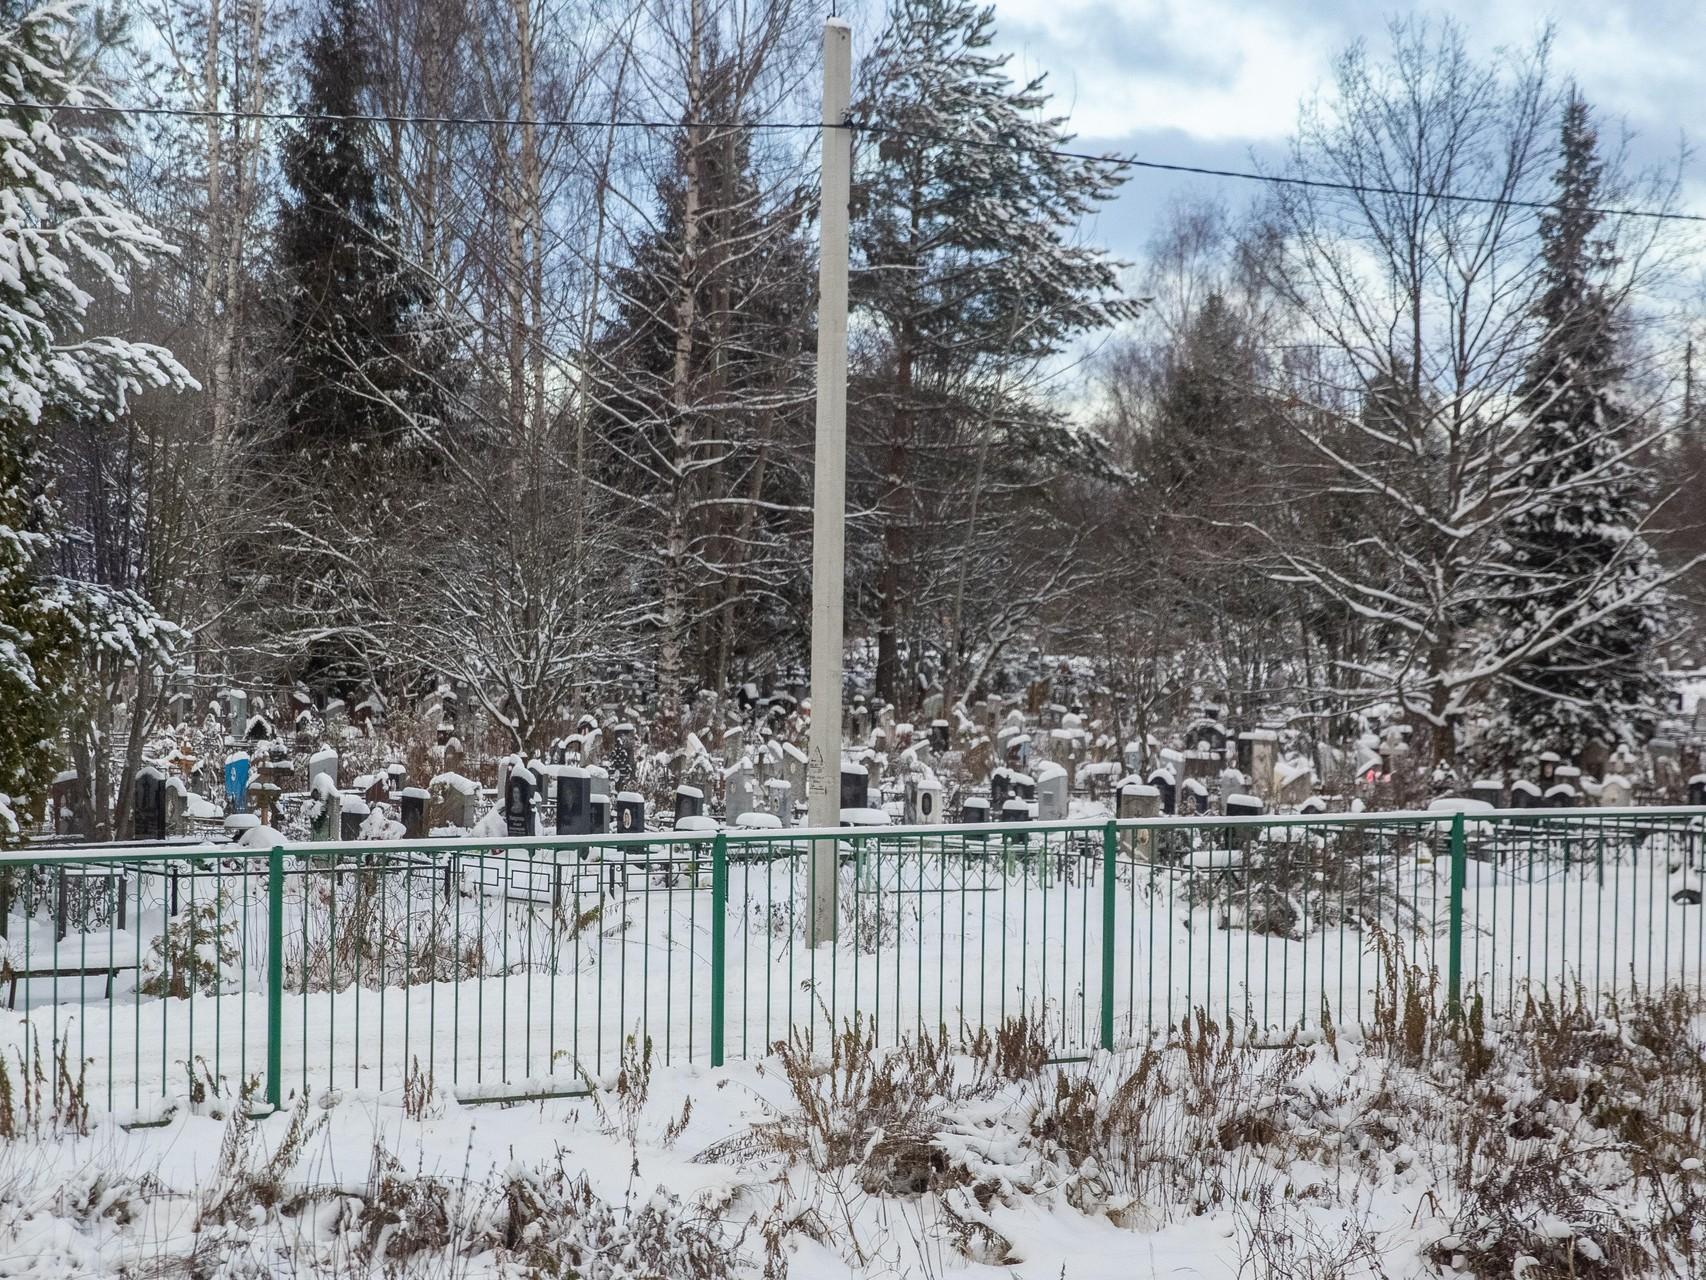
point(938, 139)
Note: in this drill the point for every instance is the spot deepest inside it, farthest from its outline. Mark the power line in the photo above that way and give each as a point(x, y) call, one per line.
point(941, 139)
point(1248, 175)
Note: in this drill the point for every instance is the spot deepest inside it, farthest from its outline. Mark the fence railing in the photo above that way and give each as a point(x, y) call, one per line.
point(501, 968)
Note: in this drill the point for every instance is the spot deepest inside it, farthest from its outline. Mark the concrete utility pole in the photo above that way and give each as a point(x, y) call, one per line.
point(829, 513)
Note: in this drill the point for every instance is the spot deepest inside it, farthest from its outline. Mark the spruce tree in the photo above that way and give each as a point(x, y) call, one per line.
point(355, 410)
point(1578, 546)
point(703, 429)
point(965, 260)
point(63, 232)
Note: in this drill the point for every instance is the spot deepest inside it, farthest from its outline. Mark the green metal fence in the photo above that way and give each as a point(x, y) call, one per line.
point(517, 967)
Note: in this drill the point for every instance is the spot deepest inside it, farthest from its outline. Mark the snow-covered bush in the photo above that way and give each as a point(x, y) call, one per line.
point(196, 954)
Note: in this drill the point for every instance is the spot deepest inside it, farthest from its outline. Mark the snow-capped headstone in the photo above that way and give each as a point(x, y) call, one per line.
point(689, 803)
point(923, 801)
point(630, 813)
point(1051, 792)
point(412, 802)
point(1165, 783)
point(974, 809)
point(150, 803)
point(237, 714)
point(1139, 800)
point(855, 787)
point(574, 800)
point(1491, 790)
point(1243, 806)
point(518, 794)
point(323, 763)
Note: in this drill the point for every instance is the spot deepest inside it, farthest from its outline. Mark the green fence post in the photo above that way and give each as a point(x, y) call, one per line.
point(1454, 960)
point(275, 978)
point(719, 942)
point(1110, 847)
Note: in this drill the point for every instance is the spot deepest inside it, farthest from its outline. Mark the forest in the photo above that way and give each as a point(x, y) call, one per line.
point(364, 348)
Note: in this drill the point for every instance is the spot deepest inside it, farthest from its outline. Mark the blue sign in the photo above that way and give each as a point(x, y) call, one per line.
point(237, 784)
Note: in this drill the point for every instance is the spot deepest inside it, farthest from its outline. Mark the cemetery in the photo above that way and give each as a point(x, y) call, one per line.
point(336, 906)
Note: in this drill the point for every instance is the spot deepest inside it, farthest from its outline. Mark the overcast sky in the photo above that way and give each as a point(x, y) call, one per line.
point(1213, 81)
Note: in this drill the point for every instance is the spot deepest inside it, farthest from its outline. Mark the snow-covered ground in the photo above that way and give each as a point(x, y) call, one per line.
point(1571, 1141)
point(489, 993)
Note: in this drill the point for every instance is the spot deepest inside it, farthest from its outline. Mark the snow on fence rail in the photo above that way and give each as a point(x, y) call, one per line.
point(520, 966)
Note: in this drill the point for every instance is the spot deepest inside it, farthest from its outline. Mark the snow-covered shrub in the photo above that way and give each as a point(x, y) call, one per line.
point(1270, 884)
point(553, 1224)
point(196, 954)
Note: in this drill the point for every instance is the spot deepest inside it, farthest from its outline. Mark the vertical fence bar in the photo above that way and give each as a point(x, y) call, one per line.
point(275, 977)
point(719, 941)
point(1110, 848)
point(1454, 926)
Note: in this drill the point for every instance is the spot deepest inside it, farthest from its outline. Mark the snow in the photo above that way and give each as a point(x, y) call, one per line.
point(456, 782)
point(858, 817)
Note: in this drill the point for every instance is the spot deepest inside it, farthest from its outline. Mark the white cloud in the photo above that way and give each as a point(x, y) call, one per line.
point(1221, 70)
point(1211, 69)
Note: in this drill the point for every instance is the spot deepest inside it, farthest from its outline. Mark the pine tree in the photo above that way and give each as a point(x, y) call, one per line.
point(63, 231)
point(356, 412)
point(1580, 544)
point(964, 258)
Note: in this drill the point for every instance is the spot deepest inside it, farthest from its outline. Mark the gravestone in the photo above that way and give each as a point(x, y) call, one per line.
point(1015, 810)
point(412, 802)
point(1000, 788)
point(150, 803)
point(177, 801)
point(939, 736)
point(1559, 796)
point(855, 787)
point(237, 714)
point(1524, 794)
point(1243, 806)
point(1163, 782)
point(874, 776)
point(574, 801)
point(1138, 800)
point(630, 813)
point(328, 823)
point(455, 799)
point(1616, 792)
point(689, 803)
point(237, 782)
point(974, 809)
point(518, 801)
point(923, 801)
point(781, 797)
point(1489, 790)
point(352, 813)
point(1051, 792)
point(1257, 752)
point(740, 792)
point(1193, 797)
